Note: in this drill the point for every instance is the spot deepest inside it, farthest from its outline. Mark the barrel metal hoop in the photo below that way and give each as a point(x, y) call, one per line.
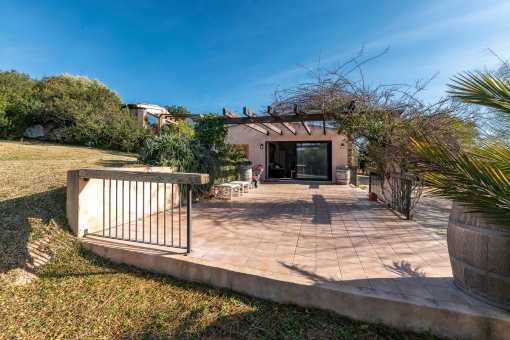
point(489, 232)
point(480, 271)
point(485, 297)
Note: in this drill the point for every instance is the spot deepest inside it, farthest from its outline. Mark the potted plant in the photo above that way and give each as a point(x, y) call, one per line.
point(372, 196)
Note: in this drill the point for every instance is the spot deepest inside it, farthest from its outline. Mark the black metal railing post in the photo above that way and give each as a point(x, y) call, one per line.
point(353, 178)
point(369, 182)
point(188, 213)
point(408, 199)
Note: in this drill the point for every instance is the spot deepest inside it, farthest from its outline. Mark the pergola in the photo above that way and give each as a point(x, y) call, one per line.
point(258, 123)
point(273, 118)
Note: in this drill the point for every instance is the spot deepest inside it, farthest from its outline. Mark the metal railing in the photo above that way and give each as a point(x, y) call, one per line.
point(145, 207)
point(353, 179)
point(400, 191)
point(403, 192)
point(375, 184)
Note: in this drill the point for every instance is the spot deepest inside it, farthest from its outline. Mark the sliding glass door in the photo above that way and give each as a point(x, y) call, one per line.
point(313, 161)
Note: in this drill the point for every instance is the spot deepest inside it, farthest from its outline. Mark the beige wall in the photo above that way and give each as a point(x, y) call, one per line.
point(240, 134)
point(84, 208)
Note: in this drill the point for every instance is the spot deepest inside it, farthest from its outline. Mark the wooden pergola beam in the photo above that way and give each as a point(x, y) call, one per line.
point(250, 113)
point(232, 116)
point(273, 113)
point(172, 116)
point(273, 119)
point(307, 128)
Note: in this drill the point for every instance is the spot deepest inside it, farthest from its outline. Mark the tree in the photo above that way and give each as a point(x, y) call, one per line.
point(377, 119)
point(477, 176)
point(19, 99)
point(88, 112)
point(83, 110)
point(176, 110)
point(179, 128)
point(210, 132)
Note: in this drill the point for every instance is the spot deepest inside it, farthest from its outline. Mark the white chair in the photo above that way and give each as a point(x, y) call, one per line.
point(245, 185)
point(227, 190)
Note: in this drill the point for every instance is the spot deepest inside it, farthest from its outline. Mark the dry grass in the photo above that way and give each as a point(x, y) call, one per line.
point(80, 295)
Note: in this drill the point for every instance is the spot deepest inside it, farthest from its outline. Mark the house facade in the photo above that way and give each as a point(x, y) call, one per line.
point(305, 155)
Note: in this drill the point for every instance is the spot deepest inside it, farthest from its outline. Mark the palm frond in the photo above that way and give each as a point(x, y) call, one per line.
point(494, 152)
point(466, 177)
point(482, 88)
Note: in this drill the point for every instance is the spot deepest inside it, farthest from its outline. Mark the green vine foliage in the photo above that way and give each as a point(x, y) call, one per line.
point(210, 132)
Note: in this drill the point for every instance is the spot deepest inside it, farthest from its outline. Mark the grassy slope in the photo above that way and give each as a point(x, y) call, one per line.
point(80, 295)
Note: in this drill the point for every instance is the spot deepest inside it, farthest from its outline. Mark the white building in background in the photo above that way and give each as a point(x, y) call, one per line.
point(147, 114)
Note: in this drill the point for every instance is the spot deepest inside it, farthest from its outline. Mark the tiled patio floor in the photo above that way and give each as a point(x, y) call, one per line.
point(323, 233)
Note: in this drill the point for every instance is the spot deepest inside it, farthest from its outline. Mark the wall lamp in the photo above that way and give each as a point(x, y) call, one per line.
point(261, 146)
point(342, 145)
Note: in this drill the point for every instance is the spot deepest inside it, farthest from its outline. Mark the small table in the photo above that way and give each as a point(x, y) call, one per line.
point(292, 173)
point(245, 185)
point(226, 190)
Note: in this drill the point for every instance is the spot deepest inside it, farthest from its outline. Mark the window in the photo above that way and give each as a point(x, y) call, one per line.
point(245, 148)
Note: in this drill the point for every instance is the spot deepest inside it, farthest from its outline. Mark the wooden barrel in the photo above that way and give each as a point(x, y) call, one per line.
point(343, 176)
point(480, 257)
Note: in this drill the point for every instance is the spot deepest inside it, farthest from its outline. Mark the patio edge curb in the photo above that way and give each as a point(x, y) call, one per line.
point(406, 313)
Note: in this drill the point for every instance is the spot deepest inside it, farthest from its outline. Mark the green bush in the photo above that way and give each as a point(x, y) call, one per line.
point(180, 128)
point(183, 154)
point(210, 132)
point(230, 157)
point(83, 110)
point(88, 112)
point(191, 155)
point(19, 98)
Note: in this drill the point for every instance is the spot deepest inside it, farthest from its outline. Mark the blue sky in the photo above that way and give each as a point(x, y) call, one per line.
point(206, 55)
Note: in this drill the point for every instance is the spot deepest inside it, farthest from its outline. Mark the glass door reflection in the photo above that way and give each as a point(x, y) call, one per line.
point(312, 161)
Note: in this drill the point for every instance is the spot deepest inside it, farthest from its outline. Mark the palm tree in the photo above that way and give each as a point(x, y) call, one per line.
point(484, 88)
point(479, 176)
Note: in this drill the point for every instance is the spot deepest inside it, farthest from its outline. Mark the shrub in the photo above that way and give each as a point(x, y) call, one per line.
point(19, 98)
point(230, 157)
point(88, 112)
point(179, 128)
point(210, 132)
point(189, 155)
point(183, 154)
point(84, 110)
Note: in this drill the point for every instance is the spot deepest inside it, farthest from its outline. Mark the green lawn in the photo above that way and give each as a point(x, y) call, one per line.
point(80, 295)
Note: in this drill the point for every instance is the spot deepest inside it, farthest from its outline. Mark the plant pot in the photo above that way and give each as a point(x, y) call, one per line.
point(480, 257)
point(372, 196)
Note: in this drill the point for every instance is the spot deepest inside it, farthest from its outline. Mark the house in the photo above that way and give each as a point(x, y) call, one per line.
point(154, 116)
point(291, 147)
point(148, 114)
point(294, 150)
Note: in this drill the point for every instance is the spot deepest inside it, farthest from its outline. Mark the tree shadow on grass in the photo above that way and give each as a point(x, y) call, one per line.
point(29, 219)
point(200, 311)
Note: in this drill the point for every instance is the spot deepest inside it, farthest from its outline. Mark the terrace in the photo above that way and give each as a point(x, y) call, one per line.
point(312, 244)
